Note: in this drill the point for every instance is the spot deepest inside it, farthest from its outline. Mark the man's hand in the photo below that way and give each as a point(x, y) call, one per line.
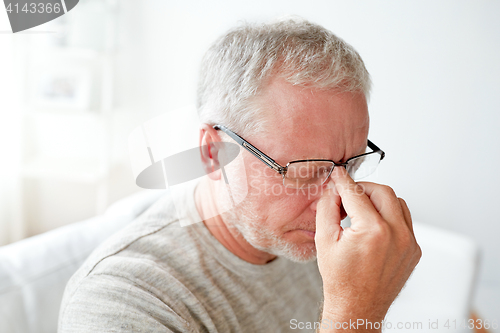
point(363, 267)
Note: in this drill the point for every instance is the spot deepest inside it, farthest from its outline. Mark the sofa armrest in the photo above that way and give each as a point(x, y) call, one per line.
point(34, 271)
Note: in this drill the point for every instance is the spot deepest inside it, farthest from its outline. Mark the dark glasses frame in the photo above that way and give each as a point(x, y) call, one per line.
point(283, 169)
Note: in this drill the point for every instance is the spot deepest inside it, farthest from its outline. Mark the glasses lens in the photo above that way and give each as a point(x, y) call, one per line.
point(363, 166)
point(307, 174)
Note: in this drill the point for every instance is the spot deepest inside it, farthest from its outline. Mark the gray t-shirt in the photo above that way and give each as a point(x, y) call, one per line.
point(156, 276)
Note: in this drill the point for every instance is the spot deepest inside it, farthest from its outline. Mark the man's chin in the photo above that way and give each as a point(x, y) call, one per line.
point(294, 249)
point(300, 253)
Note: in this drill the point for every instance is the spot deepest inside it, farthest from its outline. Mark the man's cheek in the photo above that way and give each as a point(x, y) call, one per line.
point(256, 169)
point(256, 188)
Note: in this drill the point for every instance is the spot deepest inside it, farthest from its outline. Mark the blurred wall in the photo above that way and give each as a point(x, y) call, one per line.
point(434, 106)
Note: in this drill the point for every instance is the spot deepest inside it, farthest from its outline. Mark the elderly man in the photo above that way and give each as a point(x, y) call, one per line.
point(294, 97)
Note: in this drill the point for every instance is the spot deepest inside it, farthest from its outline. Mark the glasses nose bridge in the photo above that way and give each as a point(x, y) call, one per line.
point(340, 164)
point(335, 164)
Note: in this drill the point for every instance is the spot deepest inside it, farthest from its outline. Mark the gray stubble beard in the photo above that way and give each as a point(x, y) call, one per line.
point(243, 219)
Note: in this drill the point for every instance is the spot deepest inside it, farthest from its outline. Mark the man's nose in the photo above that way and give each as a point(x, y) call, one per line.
point(317, 196)
point(314, 205)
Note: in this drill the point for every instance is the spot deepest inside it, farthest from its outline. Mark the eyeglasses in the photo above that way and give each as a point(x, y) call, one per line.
point(301, 174)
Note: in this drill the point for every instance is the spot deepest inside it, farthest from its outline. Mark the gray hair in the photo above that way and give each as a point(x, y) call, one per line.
point(238, 65)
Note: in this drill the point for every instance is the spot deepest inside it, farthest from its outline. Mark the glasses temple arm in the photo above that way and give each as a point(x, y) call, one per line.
point(251, 148)
point(374, 147)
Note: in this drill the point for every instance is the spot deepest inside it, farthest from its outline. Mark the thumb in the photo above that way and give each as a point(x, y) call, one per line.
point(328, 216)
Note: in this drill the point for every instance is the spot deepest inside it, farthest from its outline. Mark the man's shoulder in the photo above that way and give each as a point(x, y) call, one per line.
point(138, 261)
point(143, 245)
point(159, 216)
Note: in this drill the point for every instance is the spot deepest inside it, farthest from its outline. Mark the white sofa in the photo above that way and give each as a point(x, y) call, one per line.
point(34, 272)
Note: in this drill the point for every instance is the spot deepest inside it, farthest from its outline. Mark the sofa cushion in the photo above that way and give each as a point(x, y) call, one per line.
point(441, 287)
point(34, 271)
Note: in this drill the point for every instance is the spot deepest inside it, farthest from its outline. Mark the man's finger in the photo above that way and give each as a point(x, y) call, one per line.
point(356, 203)
point(328, 216)
point(385, 202)
point(406, 212)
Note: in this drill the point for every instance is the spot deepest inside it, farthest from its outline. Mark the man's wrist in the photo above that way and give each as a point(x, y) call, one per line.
point(336, 318)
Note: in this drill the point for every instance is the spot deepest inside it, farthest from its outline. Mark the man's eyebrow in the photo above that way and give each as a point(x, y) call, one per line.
point(359, 152)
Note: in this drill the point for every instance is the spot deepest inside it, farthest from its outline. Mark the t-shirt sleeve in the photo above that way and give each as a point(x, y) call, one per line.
point(107, 303)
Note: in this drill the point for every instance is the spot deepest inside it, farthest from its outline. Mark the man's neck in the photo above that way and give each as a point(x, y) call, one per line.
point(227, 236)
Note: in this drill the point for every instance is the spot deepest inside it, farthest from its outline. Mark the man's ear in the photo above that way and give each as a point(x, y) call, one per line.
point(209, 152)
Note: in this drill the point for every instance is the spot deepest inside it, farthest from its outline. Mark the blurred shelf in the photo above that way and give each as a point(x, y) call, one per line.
point(61, 112)
point(55, 53)
point(68, 81)
point(65, 116)
point(70, 169)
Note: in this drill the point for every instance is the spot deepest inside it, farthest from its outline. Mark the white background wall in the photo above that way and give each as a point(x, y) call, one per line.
point(435, 106)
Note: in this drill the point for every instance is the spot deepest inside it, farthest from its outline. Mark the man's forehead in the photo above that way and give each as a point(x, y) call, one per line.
point(310, 121)
point(283, 101)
